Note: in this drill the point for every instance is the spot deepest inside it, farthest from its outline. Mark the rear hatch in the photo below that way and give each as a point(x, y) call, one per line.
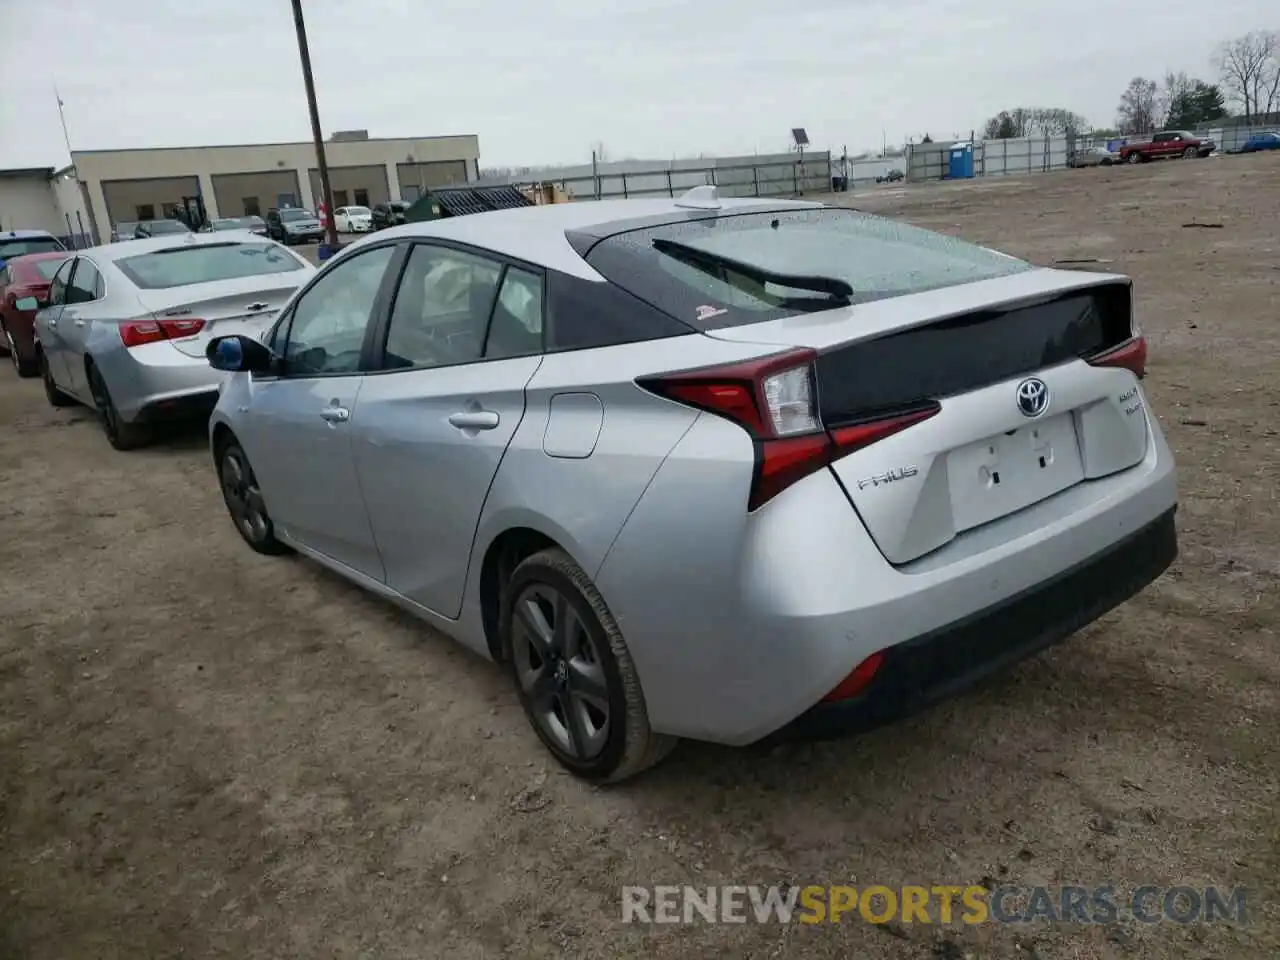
point(244, 305)
point(958, 358)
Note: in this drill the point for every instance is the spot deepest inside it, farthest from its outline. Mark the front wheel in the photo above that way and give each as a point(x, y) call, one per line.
point(573, 673)
point(1190, 153)
point(244, 501)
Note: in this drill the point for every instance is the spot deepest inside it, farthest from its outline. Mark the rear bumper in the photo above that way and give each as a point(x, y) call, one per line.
point(920, 672)
point(158, 382)
point(761, 618)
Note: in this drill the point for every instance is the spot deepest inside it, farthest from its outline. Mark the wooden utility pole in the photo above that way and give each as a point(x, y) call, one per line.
point(331, 231)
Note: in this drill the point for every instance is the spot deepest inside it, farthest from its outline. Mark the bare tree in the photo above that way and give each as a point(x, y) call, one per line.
point(1140, 109)
point(1249, 68)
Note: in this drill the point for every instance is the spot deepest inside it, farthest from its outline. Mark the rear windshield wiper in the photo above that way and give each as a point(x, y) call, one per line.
point(695, 257)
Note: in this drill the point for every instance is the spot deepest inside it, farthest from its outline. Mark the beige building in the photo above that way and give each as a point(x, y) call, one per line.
point(41, 198)
point(231, 181)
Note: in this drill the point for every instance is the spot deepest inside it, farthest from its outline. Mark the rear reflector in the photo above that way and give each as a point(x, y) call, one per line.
point(136, 333)
point(773, 400)
point(1131, 355)
point(858, 679)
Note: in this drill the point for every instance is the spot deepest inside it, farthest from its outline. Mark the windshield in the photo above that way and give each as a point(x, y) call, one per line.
point(399, 205)
point(252, 222)
point(825, 251)
point(11, 248)
point(358, 211)
point(47, 268)
point(158, 227)
point(226, 225)
point(297, 215)
point(181, 266)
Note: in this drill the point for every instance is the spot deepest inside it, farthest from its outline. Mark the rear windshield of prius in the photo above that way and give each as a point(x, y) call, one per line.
point(707, 271)
point(204, 264)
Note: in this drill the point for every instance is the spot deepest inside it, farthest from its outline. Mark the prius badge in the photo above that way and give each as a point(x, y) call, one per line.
point(898, 473)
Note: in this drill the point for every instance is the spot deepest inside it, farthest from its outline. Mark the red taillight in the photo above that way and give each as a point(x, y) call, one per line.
point(135, 333)
point(858, 679)
point(1131, 355)
point(774, 400)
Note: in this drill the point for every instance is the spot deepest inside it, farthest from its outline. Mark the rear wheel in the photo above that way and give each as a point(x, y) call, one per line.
point(573, 672)
point(244, 501)
point(55, 396)
point(25, 368)
point(121, 435)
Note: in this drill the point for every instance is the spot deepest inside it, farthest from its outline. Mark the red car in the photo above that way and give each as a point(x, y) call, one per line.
point(24, 282)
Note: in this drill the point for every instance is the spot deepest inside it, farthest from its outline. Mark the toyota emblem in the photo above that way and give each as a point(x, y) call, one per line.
point(1033, 397)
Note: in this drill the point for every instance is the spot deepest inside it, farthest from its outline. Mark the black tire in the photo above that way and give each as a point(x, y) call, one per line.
point(24, 368)
point(1134, 157)
point(628, 744)
point(244, 500)
point(121, 435)
point(1190, 153)
point(55, 396)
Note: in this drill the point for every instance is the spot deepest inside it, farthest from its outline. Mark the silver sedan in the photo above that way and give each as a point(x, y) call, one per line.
point(125, 326)
point(704, 468)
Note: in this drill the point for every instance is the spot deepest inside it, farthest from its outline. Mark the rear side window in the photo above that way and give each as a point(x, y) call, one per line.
point(181, 266)
point(715, 281)
point(589, 313)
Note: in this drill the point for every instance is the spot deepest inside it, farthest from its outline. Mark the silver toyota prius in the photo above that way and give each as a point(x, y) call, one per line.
point(731, 470)
point(124, 327)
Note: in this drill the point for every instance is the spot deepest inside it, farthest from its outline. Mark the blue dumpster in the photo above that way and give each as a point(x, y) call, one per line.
point(960, 166)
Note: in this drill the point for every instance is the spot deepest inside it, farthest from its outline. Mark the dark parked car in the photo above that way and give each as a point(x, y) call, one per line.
point(389, 214)
point(294, 225)
point(159, 228)
point(893, 176)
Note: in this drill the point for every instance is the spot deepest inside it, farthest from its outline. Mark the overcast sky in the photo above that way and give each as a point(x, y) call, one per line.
point(543, 81)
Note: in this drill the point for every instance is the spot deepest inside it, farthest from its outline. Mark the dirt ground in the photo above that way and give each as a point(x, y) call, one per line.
point(204, 752)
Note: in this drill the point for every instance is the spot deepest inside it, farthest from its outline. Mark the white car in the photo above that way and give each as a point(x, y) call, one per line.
point(353, 219)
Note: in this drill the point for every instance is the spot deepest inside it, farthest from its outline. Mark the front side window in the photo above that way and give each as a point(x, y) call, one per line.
point(724, 271)
point(442, 309)
point(326, 334)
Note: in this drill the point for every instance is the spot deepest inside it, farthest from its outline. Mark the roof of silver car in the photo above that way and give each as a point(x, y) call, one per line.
point(537, 234)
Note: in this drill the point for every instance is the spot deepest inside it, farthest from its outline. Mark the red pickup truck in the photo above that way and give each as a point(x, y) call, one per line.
point(1166, 144)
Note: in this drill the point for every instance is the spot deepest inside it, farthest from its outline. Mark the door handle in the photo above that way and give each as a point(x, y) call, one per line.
point(53, 323)
point(335, 414)
point(475, 420)
point(79, 323)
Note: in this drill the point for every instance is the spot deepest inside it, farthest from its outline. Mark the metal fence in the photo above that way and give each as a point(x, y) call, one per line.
point(991, 158)
point(735, 177)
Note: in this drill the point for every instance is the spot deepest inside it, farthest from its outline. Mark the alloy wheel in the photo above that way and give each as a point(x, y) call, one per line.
point(560, 672)
point(244, 499)
point(13, 351)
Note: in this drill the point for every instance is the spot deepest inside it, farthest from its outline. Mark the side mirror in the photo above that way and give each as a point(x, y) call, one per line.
point(237, 353)
point(29, 303)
